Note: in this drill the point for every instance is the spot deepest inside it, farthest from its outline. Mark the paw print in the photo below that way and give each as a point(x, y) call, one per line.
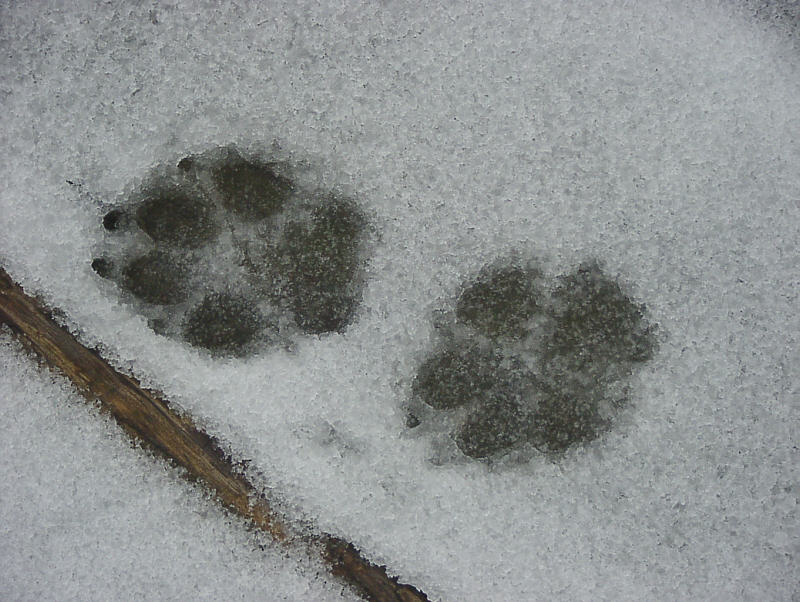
point(523, 362)
point(226, 252)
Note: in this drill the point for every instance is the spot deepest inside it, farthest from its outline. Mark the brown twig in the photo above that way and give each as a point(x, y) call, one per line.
point(150, 419)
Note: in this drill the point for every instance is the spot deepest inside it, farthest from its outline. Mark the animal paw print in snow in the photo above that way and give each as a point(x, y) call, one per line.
point(227, 253)
point(524, 362)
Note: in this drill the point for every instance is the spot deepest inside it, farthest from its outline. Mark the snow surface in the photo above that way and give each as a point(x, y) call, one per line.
point(84, 516)
point(660, 138)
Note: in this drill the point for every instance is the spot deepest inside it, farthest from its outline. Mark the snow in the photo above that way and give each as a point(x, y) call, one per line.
point(87, 517)
point(659, 138)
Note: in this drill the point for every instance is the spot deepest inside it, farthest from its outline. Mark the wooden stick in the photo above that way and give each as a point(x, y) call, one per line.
point(150, 419)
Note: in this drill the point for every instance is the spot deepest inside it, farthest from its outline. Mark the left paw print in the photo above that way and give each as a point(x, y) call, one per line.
point(226, 252)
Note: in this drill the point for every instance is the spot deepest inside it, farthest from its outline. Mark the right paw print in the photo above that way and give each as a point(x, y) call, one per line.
point(527, 362)
point(226, 252)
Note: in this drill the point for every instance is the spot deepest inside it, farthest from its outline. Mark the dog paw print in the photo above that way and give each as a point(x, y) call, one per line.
point(226, 252)
point(526, 362)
